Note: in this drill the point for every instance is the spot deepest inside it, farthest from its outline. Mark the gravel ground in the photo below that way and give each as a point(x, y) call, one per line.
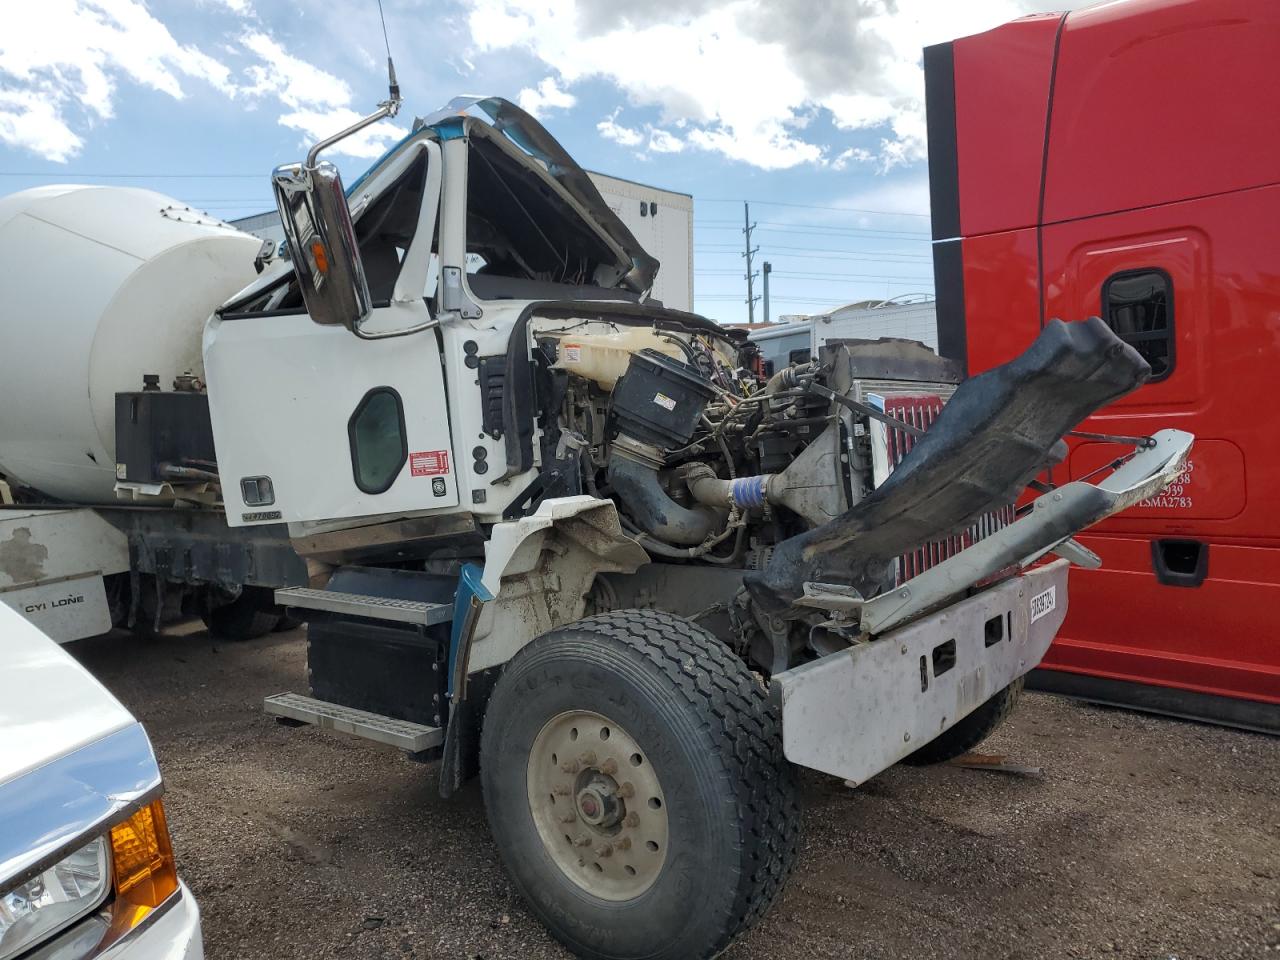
point(1145, 837)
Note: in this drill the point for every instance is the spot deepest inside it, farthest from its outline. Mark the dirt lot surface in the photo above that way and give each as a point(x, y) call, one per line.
point(1145, 837)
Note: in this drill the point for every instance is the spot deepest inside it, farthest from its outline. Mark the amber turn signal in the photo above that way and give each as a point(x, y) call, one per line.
point(142, 861)
point(320, 255)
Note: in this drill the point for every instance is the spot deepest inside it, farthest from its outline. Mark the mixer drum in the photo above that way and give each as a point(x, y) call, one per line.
point(100, 286)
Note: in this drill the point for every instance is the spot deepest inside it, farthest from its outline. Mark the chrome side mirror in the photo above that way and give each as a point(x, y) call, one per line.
point(322, 243)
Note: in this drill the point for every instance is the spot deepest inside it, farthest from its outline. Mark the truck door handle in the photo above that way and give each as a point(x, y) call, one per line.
point(1180, 563)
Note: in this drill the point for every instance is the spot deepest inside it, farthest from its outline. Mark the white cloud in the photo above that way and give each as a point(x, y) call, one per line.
point(370, 142)
point(63, 62)
point(660, 141)
point(65, 57)
point(747, 78)
point(320, 101)
point(902, 195)
point(610, 129)
point(547, 96)
point(30, 119)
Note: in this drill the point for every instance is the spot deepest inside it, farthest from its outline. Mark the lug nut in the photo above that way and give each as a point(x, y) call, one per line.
point(626, 791)
point(622, 843)
point(561, 791)
point(569, 818)
point(632, 819)
point(604, 850)
point(588, 759)
point(582, 842)
point(569, 766)
point(609, 767)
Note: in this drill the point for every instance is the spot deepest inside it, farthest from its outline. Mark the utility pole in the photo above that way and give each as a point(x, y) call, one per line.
point(766, 269)
point(749, 253)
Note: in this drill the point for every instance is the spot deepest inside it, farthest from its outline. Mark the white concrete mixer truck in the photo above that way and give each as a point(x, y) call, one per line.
point(541, 527)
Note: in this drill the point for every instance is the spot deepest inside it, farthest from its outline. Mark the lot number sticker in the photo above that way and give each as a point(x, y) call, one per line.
point(1043, 604)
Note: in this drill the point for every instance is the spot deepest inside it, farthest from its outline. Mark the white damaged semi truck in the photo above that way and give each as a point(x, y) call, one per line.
point(542, 528)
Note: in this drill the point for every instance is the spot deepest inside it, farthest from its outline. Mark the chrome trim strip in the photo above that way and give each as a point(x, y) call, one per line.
point(49, 811)
point(110, 948)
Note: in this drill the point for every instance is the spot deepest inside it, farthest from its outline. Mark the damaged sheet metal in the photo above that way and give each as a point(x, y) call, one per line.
point(533, 138)
point(1056, 517)
point(998, 431)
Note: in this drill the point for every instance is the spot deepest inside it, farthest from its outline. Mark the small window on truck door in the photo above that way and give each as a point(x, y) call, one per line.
point(1138, 306)
point(379, 447)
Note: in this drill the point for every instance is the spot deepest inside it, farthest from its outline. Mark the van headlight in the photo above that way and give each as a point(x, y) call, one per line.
point(54, 898)
point(121, 877)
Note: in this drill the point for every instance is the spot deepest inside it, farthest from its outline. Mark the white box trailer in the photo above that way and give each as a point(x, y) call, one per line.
point(914, 318)
point(796, 341)
point(662, 220)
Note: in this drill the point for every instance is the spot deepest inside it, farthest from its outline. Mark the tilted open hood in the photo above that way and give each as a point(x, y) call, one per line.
point(534, 139)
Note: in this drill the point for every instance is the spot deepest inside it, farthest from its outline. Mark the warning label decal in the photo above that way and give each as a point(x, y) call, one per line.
point(429, 463)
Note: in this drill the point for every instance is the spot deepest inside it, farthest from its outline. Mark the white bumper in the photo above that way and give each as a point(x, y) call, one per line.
point(857, 712)
point(174, 934)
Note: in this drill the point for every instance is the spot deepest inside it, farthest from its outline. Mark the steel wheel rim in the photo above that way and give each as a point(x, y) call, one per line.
point(598, 805)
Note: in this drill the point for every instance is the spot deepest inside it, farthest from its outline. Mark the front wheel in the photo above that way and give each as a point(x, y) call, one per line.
point(635, 785)
point(969, 732)
point(249, 616)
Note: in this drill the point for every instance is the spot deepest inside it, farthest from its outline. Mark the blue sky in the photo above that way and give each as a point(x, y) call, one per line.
point(810, 109)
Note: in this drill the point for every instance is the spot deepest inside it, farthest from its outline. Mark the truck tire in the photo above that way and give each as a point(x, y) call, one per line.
point(248, 617)
point(970, 731)
point(635, 784)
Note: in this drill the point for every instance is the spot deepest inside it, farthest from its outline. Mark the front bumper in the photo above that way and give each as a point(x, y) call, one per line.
point(859, 711)
point(172, 933)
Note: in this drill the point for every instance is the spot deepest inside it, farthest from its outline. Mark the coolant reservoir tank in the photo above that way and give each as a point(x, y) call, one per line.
point(603, 357)
point(99, 287)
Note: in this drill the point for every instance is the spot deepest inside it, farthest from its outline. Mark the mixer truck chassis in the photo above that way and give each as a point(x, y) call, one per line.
point(547, 531)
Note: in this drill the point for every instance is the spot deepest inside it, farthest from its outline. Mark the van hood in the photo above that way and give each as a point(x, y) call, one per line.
point(519, 127)
point(49, 704)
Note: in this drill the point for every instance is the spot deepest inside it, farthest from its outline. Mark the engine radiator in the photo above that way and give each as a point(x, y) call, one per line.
point(889, 445)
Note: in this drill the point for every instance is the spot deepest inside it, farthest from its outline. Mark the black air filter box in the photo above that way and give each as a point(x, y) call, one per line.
point(659, 400)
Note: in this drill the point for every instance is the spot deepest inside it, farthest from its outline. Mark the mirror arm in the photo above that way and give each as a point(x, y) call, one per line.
point(386, 109)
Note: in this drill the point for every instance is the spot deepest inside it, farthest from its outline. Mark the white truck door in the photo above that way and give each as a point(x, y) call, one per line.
point(314, 423)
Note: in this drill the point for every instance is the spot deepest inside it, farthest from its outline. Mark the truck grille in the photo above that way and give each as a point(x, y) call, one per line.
point(890, 445)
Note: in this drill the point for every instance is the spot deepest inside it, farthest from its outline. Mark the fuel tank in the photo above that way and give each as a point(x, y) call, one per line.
point(98, 287)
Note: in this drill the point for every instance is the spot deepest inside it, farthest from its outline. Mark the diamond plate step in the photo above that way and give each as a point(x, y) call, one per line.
point(413, 737)
point(360, 605)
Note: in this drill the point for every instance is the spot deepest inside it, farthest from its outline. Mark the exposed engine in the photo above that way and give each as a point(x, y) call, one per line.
point(802, 484)
point(707, 462)
point(711, 464)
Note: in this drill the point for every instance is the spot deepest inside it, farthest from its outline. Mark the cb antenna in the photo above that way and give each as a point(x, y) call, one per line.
point(393, 86)
point(387, 108)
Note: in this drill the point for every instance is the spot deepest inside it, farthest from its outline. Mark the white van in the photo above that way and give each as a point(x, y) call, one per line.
point(86, 865)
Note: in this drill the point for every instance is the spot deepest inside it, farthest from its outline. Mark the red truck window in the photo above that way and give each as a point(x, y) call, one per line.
point(1138, 306)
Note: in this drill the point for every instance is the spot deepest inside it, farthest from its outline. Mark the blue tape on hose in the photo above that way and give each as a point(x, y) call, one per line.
point(749, 491)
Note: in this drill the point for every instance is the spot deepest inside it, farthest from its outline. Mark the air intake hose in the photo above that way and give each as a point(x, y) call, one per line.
point(655, 407)
point(636, 485)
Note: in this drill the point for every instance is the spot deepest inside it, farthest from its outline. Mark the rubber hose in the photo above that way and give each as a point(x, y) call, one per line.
point(637, 487)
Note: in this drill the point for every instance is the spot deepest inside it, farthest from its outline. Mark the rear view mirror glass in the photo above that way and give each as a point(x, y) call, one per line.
point(322, 243)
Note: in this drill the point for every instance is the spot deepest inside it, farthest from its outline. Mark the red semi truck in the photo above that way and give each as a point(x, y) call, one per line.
point(1123, 161)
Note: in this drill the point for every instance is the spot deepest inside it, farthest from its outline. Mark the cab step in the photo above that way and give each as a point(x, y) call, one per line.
point(362, 605)
point(411, 737)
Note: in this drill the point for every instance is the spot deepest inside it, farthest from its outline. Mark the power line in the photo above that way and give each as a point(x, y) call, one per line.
point(816, 253)
point(812, 206)
point(138, 176)
point(815, 230)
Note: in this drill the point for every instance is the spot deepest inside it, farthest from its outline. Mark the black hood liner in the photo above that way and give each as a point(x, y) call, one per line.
point(998, 431)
